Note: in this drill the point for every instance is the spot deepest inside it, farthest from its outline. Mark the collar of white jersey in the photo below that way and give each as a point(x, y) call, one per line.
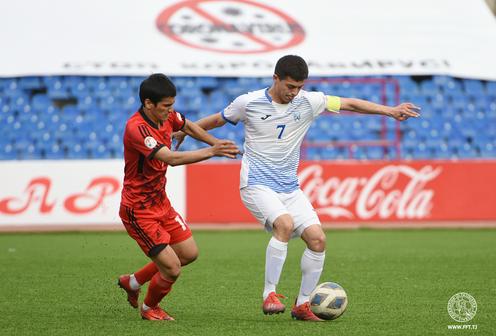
point(269, 98)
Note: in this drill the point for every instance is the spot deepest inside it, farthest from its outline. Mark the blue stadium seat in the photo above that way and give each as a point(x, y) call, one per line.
point(40, 102)
point(57, 89)
point(76, 151)
point(376, 152)
point(473, 87)
point(8, 152)
point(488, 150)
point(30, 83)
point(99, 152)
point(207, 82)
point(467, 151)
point(421, 151)
point(119, 84)
point(332, 153)
point(313, 153)
point(31, 152)
point(54, 152)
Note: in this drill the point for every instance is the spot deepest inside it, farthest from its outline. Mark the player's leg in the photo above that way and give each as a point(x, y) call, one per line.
point(266, 206)
point(169, 267)
point(312, 261)
point(307, 226)
point(152, 238)
point(131, 283)
point(276, 252)
point(182, 241)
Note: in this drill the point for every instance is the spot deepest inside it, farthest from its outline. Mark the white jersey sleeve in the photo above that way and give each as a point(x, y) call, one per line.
point(320, 102)
point(317, 100)
point(236, 111)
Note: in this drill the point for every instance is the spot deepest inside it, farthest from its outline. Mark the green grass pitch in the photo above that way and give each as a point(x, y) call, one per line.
point(398, 283)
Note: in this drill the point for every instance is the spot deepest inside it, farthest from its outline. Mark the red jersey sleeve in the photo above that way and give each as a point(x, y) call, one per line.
point(140, 137)
point(178, 121)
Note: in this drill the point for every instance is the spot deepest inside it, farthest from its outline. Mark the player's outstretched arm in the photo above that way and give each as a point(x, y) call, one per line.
point(193, 130)
point(207, 123)
point(173, 158)
point(399, 112)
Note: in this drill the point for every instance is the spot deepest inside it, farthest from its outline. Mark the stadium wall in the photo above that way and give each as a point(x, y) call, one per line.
point(86, 194)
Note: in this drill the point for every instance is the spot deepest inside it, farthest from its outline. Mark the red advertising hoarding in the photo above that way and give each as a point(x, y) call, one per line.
point(354, 191)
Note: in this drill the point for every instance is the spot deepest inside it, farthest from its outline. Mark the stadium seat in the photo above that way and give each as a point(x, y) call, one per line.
point(30, 83)
point(8, 152)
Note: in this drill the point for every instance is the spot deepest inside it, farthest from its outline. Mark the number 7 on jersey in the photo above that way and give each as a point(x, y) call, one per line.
point(282, 130)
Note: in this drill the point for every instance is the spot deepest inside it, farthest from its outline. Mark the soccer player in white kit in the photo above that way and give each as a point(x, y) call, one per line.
point(276, 120)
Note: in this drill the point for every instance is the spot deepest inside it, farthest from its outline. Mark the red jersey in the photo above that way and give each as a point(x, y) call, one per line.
point(144, 176)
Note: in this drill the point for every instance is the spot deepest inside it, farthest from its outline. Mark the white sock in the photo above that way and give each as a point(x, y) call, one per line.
point(145, 307)
point(133, 283)
point(312, 264)
point(274, 261)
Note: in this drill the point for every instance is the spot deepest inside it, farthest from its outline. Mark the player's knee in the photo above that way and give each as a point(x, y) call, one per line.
point(170, 269)
point(189, 258)
point(173, 271)
point(318, 243)
point(283, 228)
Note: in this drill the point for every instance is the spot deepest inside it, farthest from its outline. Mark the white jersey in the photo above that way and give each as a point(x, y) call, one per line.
point(273, 136)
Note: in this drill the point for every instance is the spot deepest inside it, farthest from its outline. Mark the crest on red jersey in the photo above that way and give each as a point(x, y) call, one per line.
point(150, 142)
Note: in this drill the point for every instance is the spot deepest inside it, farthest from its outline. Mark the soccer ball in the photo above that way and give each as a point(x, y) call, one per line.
point(328, 301)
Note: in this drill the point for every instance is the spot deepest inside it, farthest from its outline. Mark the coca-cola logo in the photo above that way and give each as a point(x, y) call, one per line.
point(37, 195)
point(398, 191)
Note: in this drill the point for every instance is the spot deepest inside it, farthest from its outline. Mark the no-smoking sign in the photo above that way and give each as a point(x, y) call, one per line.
point(230, 26)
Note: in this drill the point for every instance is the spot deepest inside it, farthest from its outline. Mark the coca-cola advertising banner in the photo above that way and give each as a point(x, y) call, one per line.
point(83, 193)
point(353, 191)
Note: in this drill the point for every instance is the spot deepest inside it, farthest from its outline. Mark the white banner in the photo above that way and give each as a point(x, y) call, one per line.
point(246, 37)
point(66, 193)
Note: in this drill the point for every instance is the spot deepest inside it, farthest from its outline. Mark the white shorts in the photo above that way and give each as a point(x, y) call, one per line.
point(266, 205)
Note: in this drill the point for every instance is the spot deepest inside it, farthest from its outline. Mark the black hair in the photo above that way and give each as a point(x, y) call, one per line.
point(156, 87)
point(291, 66)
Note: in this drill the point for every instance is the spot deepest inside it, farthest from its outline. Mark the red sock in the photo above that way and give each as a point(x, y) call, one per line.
point(158, 288)
point(146, 273)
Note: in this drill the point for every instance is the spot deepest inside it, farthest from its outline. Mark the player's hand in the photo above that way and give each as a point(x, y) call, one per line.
point(178, 137)
point(225, 148)
point(404, 111)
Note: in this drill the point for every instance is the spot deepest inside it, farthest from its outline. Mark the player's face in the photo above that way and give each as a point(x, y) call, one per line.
point(161, 110)
point(286, 89)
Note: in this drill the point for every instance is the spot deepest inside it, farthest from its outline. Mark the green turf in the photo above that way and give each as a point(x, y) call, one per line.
point(398, 283)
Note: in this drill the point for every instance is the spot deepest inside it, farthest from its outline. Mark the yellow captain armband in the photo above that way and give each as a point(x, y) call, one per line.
point(333, 104)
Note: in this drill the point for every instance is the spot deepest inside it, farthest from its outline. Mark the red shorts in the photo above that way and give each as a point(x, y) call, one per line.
point(154, 233)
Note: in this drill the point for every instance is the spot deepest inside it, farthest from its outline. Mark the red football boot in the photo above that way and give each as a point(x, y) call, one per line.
point(155, 314)
point(272, 305)
point(132, 294)
point(304, 313)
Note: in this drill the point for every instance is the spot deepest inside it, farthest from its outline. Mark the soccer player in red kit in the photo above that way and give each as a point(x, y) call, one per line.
point(145, 210)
